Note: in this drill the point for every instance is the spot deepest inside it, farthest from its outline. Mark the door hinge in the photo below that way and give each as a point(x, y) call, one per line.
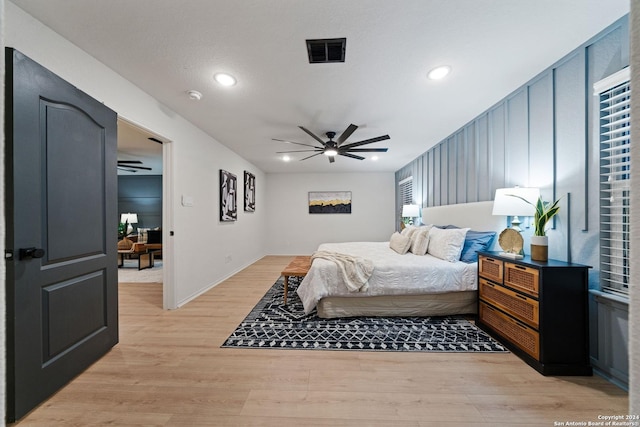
point(8, 254)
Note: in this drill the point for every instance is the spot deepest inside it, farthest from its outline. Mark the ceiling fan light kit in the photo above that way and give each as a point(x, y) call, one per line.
point(332, 148)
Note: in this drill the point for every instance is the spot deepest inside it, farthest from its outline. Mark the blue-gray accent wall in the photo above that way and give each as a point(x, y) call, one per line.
point(141, 195)
point(544, 134)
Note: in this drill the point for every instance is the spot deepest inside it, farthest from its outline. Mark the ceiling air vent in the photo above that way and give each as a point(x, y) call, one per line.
point(322, 51)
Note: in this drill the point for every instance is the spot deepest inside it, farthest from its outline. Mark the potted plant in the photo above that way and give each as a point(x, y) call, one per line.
point(539, 241)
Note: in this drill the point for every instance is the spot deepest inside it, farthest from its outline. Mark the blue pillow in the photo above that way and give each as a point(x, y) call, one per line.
point(476, 241)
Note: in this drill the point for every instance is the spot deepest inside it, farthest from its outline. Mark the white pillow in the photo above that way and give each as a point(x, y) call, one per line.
point(446, 244)
point(420, 240)
point(409, 230)
point(399, 243)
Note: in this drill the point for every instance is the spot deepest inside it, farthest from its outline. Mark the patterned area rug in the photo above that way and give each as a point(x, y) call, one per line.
point(274, 325)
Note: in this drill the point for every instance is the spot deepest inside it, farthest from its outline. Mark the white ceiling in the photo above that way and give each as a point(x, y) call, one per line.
point(167, 47)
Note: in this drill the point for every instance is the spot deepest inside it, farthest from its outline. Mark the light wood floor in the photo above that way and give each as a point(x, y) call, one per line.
point(169, 369)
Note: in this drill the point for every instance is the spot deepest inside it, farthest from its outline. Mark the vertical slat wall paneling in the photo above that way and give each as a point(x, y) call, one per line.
point(482, 174)
point(437, 175)
point(498, 167)
point(471, 164)
point(444, 173)
point(452, 162)
point(461, 166)
point(604, 57)
point(517, 140)
point(541, 170)
point(569, 99)
point(427, 180)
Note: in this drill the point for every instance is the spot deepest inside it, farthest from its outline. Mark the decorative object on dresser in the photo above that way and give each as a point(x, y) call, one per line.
point(538, 309)
point(544, 211)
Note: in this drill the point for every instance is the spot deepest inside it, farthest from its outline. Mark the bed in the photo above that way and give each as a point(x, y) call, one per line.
point(402, 284)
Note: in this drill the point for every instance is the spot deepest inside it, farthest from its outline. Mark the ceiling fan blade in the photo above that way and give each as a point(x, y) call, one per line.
point(300, 151)
point(366, 141)
point(137, 167)
point(297, 143)
point(347, 133)
point(137, 162)
point(351, 155)
point(127, 169)
point(332, 159)
point(313, 155)
point(367, 150)
point(313, 135)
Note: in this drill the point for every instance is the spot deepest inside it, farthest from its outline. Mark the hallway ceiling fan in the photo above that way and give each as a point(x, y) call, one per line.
point(131, 165)
point(332, 148)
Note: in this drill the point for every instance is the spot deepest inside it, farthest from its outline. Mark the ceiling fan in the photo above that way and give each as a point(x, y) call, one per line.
point(130, 165)
point(332, 148)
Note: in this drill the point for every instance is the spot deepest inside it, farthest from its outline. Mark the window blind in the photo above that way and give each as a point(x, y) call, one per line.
point(615, 163)
point(406, 191)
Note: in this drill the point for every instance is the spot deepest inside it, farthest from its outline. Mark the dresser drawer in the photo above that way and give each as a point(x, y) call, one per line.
point(517, 305)
point(522, 278)
point(517, 333)
point(490, 268)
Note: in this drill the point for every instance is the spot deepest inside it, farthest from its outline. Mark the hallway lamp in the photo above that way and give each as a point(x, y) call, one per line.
point(128, 219)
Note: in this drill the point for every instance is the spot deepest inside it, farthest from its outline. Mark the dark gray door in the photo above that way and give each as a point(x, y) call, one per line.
point(61, 213)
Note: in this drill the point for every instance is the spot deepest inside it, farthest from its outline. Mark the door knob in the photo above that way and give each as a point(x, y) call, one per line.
point(28, 253)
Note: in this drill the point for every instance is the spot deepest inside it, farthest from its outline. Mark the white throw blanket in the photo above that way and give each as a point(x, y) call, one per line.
point(354, 271)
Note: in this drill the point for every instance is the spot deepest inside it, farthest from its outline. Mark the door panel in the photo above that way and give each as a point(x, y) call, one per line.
point(62, 198)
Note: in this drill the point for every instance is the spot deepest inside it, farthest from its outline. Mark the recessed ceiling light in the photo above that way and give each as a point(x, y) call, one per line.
point(439, 72)
point(374, 158)
point(195, 95)
point(286, 158)
point(225, 79)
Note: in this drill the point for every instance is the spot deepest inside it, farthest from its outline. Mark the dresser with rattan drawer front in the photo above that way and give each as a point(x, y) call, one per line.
point(538, 310)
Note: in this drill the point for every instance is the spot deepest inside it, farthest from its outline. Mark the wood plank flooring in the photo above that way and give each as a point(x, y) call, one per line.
point(169, 370)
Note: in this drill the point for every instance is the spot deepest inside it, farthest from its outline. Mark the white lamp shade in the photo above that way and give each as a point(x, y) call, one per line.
point(131, 218)
point(410, 211)
point(505, 204)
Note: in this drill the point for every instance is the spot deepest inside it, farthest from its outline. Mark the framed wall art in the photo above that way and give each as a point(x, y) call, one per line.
point(329, 202)
point(249, 192)
point(228, 196)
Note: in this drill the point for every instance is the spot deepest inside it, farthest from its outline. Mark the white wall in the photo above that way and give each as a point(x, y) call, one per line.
point(201, 243)
point(293, 231)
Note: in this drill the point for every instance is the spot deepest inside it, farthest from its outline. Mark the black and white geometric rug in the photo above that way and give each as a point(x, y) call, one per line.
point(274, 325)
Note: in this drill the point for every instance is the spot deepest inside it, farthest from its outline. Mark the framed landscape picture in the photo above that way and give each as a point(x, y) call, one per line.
point(228, 196)
point(329, 202)
point(249, 192)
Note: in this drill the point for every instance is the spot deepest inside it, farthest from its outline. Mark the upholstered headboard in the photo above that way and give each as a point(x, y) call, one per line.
point(476, 215)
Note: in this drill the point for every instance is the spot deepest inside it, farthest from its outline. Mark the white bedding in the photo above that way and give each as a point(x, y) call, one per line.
point(393, 274)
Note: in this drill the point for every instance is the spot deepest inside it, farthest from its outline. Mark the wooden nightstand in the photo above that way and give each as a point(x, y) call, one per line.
point(538, 310)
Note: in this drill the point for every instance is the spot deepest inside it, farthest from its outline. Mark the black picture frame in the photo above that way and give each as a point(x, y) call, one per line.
point(249, 192)
point(228, 196)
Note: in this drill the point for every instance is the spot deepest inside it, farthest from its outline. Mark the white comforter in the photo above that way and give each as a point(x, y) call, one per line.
point(393, 274)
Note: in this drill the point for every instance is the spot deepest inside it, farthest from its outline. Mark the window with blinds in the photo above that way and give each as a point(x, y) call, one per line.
point(615, 105)
point(406, 191)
